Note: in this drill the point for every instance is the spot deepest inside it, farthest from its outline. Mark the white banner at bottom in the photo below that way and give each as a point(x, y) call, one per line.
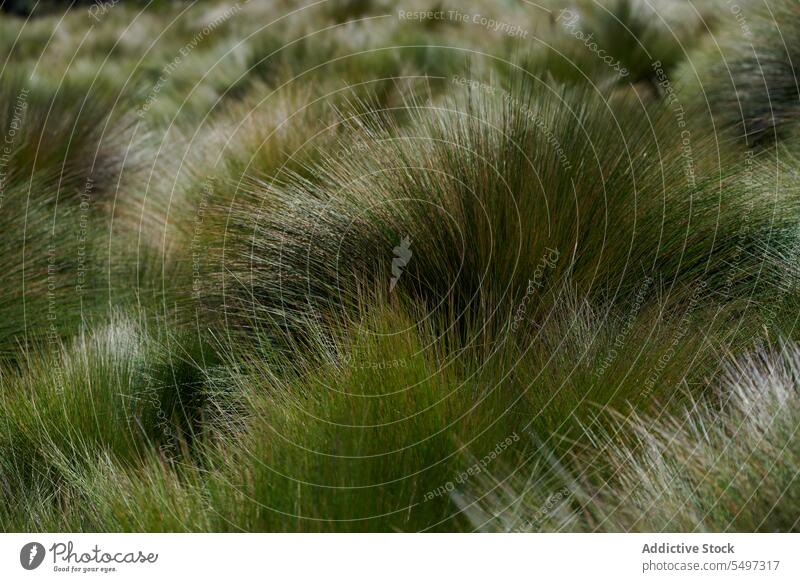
point(400, 557)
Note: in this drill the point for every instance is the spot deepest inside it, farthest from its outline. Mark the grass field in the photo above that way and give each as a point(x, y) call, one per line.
point(353, 265)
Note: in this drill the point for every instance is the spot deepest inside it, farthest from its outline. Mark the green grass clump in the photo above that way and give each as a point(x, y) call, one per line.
point(115, 394)
point(485, 188)
point(70, 199)
point(64, 133)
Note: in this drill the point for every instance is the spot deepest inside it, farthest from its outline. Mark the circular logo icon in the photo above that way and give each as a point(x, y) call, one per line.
point(31, 555)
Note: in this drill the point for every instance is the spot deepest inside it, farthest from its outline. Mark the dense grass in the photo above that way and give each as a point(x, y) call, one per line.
point(731, 467)
point(338, 270)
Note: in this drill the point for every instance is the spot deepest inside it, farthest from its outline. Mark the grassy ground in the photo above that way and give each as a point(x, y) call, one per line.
point(355, 267)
